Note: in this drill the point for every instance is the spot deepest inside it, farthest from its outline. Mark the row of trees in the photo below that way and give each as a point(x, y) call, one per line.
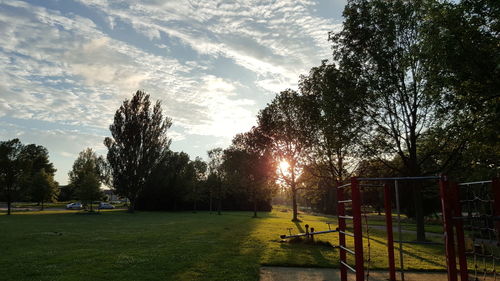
point(142, 168)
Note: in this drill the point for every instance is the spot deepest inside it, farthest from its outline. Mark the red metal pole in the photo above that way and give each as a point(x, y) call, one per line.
point(459, 228)
point(341, 221)
point(495, 188)
point(390, 236)
point(357, 228)
point(448, 229)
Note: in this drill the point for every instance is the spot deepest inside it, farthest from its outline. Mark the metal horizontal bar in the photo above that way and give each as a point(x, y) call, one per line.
point(346, 217)
point(347, 250)
point(400, 178)
point(346, 233)
point(371, 185)
point(419, 242)
point(323, 231)
point(344, 201)
point(344, 185)
point(474, 182)
point(349, 267)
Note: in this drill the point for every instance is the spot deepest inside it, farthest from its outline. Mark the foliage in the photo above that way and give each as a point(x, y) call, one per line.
point(170, 184)
point(11, 168)
point(87, 175)
point(139, 139)
point(250, 169)
point(215, 180)
point(44, 187)
point(286, 123)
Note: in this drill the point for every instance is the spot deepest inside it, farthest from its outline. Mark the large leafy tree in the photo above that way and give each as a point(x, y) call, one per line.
point(461, 40)
point(200, 168)
point(248, 164)
point(382, 42)
point(11, 169)
point(36, 158)
point(336, 118)
point(87, 175)
point(139, 140)
point(170, 184)
point(285, 123)
point(44, 188)
point(215, 178)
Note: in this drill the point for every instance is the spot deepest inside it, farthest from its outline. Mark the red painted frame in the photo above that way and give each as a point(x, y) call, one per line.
point(459, 228)
point(446, 206)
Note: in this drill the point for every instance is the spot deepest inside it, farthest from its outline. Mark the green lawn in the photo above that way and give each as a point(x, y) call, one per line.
point(115, 245)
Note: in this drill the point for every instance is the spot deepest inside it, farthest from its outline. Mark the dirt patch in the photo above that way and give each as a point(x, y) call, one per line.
point(274, 273)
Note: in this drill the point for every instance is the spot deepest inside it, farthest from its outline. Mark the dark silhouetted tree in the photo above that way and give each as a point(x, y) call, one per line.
point(139, 140)
point(11, 169)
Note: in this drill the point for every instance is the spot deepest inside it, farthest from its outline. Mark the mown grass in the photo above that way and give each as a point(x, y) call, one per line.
point(116, 245)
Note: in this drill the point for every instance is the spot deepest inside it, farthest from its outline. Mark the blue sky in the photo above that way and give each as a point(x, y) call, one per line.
point(65, 66)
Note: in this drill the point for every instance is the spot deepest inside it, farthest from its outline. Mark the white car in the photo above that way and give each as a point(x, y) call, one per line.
point(74, 206)
point(104, 205)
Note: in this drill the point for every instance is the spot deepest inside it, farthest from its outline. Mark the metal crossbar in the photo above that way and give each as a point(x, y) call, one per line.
point(346, 233)
point(347, 250)
point(346, 217)
point(400, 178)
point(348, 266)
point(344, 201)
point(344, 185)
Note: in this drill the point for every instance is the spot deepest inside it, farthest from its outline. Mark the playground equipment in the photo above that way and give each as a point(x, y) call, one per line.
point(308, 234)
point(477, 211)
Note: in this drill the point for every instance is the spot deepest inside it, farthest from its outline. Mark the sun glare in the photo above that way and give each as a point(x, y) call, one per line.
point(284, 166)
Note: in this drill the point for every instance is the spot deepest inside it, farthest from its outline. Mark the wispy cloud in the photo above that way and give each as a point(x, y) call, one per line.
point(212, 63)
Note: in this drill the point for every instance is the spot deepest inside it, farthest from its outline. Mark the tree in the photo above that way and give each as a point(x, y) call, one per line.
point(11, 169)
point(44, 187)
point(216, 176)
point(139, 140)
point(200, 168)
point(461, 41)
point(382, 42)
point(336, 118)
point(285, 123)
point(36, 159)
point(87, 175)
point(248, 164)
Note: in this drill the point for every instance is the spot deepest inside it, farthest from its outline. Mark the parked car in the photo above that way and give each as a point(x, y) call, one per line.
point(104, 205)
point(74, 206)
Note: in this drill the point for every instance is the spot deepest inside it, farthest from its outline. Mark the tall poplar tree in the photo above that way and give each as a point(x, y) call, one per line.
point(137, 143)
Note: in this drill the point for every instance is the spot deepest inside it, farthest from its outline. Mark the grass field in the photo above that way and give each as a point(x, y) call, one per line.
point(115, 245)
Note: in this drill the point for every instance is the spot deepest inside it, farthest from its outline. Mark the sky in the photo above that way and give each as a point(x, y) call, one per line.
point(67, 65)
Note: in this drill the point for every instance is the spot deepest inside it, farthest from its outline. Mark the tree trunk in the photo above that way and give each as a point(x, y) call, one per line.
point(254, 206)
point(8, 203)
point(210, 208)
point(219, 206)
point(42, 206)
point(131, 206)
point(294, 204)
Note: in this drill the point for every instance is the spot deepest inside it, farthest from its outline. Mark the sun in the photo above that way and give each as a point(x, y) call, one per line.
point(283, 165)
